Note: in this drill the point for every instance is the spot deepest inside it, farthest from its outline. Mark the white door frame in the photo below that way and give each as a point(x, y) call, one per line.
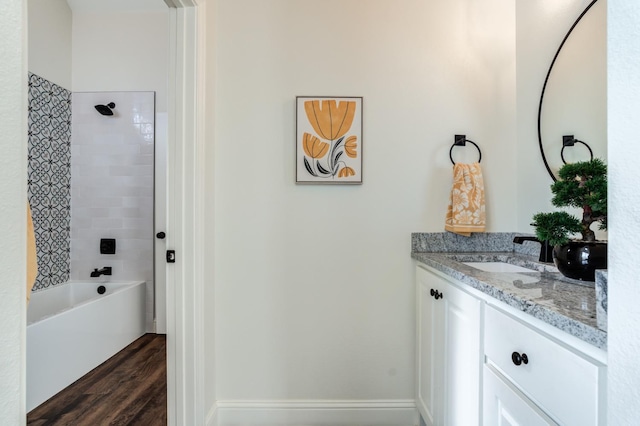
point(185, 218)
point(13, 224)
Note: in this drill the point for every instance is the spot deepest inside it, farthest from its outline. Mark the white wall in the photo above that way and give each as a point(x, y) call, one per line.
point(13, 192)
point(314, 295)
point(624, 201)
point(121, 51)
point(541, 26)
point(50, 40)
point(119, 5)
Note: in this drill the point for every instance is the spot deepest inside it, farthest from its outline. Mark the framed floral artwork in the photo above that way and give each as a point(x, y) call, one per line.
point(329, 139)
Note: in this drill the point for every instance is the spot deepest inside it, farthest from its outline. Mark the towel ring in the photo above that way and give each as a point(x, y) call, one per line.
point(569, 140)
point(461, 140)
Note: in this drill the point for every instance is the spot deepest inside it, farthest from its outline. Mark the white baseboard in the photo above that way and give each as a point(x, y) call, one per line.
point(314, 413)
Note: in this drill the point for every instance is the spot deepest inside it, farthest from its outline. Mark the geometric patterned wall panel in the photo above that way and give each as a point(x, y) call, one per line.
point(49, 178)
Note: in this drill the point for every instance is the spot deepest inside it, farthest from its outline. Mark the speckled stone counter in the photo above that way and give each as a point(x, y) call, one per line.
point(546, 294)
point(602, 300)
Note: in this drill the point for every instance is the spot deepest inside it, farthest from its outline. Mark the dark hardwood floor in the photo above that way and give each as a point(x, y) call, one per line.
point(128, 389)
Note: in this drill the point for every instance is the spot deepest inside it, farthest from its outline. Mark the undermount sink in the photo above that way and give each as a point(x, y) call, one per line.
point(498, 267)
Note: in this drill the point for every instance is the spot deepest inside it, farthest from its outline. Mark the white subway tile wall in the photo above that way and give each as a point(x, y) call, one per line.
point(113, 188)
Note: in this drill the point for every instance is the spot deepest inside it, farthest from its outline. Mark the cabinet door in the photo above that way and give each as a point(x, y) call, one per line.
point(462, 358)
point(503, 405)
point(449, 355)
point(429, 344)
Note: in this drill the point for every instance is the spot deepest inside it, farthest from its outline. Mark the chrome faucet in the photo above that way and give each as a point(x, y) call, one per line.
point(104, 271)
point(546, 249)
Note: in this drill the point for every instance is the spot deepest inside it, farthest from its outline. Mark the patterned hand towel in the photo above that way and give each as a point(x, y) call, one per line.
point(466, 211)
point(32, 257)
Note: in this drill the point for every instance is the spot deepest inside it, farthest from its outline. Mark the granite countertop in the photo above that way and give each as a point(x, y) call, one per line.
point(546, 294)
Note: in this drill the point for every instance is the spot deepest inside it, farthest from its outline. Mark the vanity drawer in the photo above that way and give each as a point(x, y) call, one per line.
point(560, 381)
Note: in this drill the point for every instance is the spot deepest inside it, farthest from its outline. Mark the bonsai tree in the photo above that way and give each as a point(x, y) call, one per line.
point(582, 185)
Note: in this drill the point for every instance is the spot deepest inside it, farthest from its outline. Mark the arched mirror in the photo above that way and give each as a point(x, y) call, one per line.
point(573, 99)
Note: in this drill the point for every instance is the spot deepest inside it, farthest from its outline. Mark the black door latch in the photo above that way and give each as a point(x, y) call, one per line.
point(171, 256)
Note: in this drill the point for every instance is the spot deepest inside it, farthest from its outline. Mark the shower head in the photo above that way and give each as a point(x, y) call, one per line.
point(106, 109)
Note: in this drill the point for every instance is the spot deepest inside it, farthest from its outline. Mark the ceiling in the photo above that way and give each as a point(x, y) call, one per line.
point(116, 5)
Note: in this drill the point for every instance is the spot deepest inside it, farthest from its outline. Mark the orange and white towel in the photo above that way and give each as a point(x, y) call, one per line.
point(466, 211)
point(32, 257)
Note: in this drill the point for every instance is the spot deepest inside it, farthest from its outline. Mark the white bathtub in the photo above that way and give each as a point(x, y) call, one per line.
point(71, 329)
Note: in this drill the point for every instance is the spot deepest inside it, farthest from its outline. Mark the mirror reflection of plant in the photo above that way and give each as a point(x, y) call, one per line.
point(330, 121)
point(582, 185)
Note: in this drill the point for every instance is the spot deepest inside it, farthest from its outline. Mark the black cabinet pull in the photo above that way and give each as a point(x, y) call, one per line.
point(161, 235)
point(519, 358)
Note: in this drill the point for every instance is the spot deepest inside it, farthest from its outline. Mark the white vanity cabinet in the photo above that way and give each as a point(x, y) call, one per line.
point(449, 354)
point(480, 361)
point(560, 380)
point(504, 404)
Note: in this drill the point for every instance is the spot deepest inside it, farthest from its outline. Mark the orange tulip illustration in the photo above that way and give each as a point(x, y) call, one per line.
point(325, 146)
point(346, 172)
point(350, 146)
point(314, 147)
point(330, 120)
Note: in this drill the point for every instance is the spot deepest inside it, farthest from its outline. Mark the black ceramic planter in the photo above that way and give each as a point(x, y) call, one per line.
point(580, 259)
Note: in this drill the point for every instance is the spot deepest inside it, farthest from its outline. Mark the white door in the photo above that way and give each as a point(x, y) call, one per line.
point(462, 360)
point(430, 328)
point(449, 355)
point(160, 224)
point(505, 406)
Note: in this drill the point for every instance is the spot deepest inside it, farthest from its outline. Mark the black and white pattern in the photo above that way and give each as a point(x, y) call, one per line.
point(50, 178)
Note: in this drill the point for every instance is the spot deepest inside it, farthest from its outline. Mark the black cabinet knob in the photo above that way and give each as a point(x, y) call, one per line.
point(519, 359)
point(436, 294)
point(161, 235)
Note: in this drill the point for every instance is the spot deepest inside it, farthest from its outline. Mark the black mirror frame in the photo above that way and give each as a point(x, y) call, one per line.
point(544, 87)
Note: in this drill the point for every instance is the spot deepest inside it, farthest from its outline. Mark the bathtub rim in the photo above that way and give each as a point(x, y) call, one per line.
point(123, 285)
